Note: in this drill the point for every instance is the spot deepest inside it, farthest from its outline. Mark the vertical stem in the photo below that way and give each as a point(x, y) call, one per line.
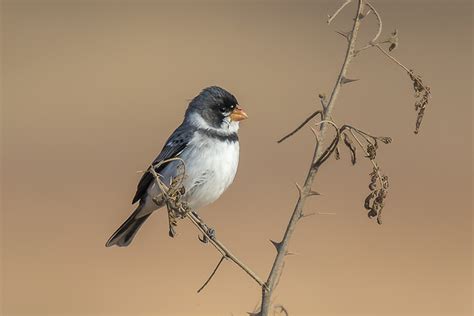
point(282, 249)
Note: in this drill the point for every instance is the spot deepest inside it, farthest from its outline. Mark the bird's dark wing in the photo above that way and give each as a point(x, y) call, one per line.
point(173, 147)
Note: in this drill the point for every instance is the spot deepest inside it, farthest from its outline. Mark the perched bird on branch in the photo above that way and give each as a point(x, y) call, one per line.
point(208, 145)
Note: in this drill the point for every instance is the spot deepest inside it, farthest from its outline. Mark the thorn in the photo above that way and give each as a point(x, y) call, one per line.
point(276, 245)
point(311, 193)
point(203, 239)
point(363, 15)
point(306, 215)
point(323, 213)
point(299, 189)
point(346, 35)
point(289, 253)
point(172, 232)
point(322, 98)
point(345, 80)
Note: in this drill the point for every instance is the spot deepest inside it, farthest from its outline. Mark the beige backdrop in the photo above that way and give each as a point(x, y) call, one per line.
point(92, 89)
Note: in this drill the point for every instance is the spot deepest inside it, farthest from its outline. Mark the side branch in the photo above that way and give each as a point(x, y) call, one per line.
point(332, 17)
point(177, 209)
point(301, 125)
point(202, 227)
point(422, 91)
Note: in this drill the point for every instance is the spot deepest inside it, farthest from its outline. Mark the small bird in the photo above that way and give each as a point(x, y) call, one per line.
point(207, 143)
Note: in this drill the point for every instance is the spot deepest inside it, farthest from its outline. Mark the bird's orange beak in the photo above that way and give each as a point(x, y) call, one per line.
point(238, 114)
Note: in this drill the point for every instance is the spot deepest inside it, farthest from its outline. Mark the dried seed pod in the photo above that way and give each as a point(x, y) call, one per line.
point(368, 200)
point(372, 213)
point(371, 151)
point(393, 40)
point(422, 95)
point(372, 186)
point(351, 147)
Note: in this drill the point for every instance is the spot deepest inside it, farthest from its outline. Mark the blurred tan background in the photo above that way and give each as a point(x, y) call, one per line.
point(92, 89)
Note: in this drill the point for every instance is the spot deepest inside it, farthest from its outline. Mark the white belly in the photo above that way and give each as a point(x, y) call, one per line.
point(211, 166)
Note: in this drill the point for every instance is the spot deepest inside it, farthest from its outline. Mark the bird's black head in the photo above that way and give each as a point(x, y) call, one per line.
point(216, 106)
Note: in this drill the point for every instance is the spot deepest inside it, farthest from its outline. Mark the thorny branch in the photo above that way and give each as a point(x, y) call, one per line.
point(374, 202)
point(282, 248)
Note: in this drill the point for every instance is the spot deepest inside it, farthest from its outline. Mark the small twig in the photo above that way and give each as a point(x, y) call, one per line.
point(379, 22)
point(409, 71)
point(223, 249)
point(331, 17)
point(392, 58)
point(212, 274)
point(281, 309)
point(300, 126)
point(331, 148)
point(374, 163)
point(326, 213)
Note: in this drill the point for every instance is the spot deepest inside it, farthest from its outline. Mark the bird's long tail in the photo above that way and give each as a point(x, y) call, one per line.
point(125, 233)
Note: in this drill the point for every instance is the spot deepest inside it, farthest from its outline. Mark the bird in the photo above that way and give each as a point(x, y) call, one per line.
point(207, 143)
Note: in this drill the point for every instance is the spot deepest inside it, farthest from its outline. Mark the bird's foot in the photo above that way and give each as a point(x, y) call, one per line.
point(196, 215)
point(210, 233)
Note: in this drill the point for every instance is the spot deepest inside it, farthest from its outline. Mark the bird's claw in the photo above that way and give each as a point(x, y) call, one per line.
point(203, 239)
point(210, 234)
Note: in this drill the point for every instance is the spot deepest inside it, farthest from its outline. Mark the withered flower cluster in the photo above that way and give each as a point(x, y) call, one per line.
point(378, 185)
point(374, 202)
point(422, 95)
point(171, 193)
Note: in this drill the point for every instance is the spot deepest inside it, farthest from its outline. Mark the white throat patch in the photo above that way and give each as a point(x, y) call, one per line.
point(227, 127)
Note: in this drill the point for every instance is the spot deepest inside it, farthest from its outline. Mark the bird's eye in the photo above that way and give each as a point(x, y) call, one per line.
point(223, 109)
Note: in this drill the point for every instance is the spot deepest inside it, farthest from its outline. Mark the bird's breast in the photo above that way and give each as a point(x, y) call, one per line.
point(211, 165)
